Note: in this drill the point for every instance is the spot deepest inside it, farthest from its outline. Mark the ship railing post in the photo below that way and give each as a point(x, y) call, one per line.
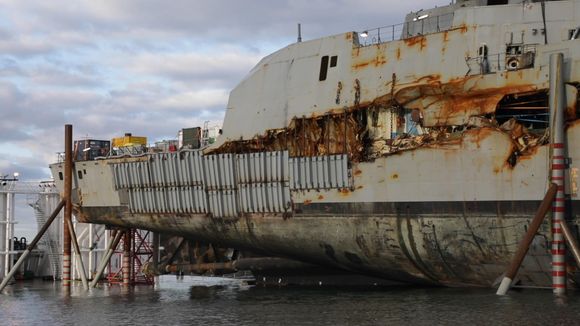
point(527, 240)
point(558, 167)
point(31, 246)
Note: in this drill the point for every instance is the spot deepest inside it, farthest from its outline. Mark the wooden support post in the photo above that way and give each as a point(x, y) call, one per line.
point(66, 258)
point(105, 260)
point(571, 241)
point(79, 260)
point(527, 240)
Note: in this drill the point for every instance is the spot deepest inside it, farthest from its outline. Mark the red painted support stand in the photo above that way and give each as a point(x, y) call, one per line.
point(126, 266)
point(131, 259)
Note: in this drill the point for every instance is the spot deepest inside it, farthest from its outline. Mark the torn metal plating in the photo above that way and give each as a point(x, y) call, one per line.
point(381, 128)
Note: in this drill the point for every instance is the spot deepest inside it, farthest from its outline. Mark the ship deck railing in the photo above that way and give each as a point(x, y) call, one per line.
point(524, 58)
point(421, 25)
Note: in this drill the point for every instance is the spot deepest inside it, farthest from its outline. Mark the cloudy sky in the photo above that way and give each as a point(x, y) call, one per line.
point(149, 67)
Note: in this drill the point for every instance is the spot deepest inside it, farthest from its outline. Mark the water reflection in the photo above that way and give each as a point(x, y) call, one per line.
point(207, 301)
point(197, 292)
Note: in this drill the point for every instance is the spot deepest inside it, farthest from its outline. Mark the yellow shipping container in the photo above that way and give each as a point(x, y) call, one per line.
point(129, 140)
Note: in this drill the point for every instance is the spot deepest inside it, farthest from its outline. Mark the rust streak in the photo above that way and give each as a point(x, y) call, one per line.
point(360, 65)
point(420, 41)
point(376, 62)
point(344, 192)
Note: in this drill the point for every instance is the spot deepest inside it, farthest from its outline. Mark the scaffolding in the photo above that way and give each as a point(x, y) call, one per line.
point(43, 197)
point(92, 239)
point(140, 249)
point(10, 247)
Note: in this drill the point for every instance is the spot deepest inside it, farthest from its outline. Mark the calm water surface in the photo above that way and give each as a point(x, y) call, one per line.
point(206, 301)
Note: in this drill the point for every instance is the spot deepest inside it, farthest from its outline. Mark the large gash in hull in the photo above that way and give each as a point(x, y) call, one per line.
point(421, 159)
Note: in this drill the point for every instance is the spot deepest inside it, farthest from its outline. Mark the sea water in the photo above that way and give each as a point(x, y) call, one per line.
point(218, 301)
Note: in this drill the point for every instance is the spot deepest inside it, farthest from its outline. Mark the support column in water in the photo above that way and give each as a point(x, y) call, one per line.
point(127, 258)
point(557, 102)
point(66, 258)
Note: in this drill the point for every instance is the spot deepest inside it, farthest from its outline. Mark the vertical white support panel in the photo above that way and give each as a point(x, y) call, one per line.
point(9, 232)
point(90, 254)
point(320, 180)
point(285, 166)
point(292, 175)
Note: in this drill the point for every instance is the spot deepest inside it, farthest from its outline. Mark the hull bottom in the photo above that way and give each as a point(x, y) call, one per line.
point(450, 248)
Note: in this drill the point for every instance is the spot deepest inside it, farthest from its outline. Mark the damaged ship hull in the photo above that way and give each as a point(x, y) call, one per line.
point(459, 233)
point(420, 160)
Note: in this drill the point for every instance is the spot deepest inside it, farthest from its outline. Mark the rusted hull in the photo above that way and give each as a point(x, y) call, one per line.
point(453, 249)
point(420, 160)
point(450, 213)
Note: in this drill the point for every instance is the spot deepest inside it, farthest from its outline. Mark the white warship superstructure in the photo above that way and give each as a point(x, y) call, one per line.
point(417, 152)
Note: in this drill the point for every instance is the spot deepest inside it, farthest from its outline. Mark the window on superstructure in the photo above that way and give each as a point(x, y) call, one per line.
point(333, 61)
point(574, 34)
point(497, 2)
point(323, 68)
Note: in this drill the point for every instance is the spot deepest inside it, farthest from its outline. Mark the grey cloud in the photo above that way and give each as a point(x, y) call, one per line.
point(147, 67)
point(218, 19)
point(224, 68)
point(25, 46)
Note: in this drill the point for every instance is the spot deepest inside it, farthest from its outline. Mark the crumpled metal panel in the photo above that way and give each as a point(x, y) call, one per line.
point(319, 172)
